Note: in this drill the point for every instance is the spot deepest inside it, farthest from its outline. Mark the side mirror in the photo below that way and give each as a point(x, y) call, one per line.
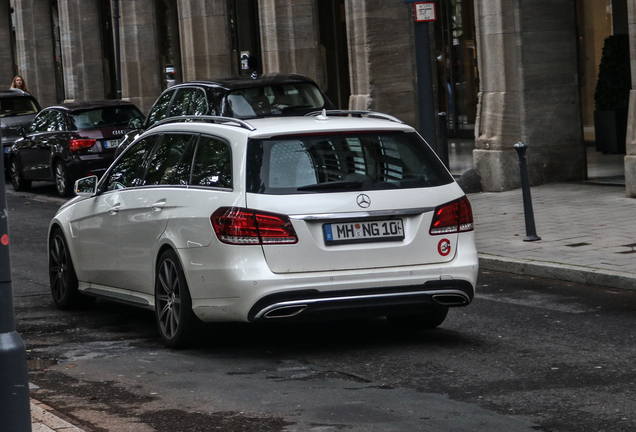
point(135, 123)
point(86, 186)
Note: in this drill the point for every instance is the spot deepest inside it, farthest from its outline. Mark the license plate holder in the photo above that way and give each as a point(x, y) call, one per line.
point(363, 231)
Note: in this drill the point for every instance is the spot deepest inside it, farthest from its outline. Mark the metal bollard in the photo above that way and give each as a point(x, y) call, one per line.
point(531, 231)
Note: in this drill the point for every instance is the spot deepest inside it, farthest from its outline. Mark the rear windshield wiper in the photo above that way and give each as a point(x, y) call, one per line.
point(344, 184)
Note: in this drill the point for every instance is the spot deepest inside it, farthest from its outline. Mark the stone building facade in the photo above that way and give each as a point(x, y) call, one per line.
point(361, 52)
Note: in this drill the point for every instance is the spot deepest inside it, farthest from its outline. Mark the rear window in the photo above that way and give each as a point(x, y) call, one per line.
point(284, 99)
point(17, 107)
point(105, 117)
point(342, 162)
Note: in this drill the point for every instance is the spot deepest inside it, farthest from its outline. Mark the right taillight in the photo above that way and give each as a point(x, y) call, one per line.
point(75, 145)
point(453, 217)
point(241, 226)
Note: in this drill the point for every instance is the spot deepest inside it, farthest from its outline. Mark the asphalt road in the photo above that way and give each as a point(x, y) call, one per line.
point(528, 354)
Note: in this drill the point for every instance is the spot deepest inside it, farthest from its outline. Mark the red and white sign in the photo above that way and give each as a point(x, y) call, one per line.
point(425, 11)
point(444, 247)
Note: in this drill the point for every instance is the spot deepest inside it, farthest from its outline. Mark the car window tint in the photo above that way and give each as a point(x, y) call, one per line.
point(40, 123)
point(128, 170)
point(17, 107)
point(212, 164)
point(160, 108)
point(182, 102)
point(182, 170)
point(55, 121)
point(165, 159)
point(342, 162)
point(294, 98)
point(214, 99)
point(199, 103)
point(105, 117)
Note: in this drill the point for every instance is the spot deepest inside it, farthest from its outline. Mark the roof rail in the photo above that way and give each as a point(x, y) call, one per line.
point(206, 119)
point(356, 113)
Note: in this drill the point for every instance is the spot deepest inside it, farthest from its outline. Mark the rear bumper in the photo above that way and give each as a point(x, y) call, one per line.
point(315, 305)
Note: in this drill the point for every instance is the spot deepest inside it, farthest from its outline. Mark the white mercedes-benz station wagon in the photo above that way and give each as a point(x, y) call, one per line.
point(332, 215)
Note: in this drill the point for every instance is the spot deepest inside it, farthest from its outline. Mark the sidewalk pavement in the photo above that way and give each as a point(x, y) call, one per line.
point(588, 233)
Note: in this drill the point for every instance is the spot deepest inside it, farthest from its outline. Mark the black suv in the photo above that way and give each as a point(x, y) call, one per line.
point(69, 141)
point(17, 109)
point(242, 97)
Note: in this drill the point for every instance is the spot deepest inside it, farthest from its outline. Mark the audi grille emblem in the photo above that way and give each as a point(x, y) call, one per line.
point(363, 200)
point(119, 132)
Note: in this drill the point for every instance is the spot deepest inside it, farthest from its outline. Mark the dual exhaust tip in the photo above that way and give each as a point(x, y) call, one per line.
point(289, 311)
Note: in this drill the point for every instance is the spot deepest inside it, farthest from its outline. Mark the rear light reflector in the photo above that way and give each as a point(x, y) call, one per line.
point(75, 145)
point(240, 226)
point(453, 217)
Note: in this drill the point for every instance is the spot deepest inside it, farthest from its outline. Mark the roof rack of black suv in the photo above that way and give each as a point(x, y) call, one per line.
point(206, 119)
point(355, 113)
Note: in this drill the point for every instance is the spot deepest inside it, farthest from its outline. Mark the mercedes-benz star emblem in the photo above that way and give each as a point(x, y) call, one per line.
point(363, 200)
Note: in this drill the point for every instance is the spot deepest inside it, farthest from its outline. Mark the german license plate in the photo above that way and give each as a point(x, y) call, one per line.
point(111, 143)
point(360, 232)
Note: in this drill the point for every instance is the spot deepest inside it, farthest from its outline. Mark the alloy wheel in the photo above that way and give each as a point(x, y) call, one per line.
point(58, 269)
point(61, 180)
point(168, 298)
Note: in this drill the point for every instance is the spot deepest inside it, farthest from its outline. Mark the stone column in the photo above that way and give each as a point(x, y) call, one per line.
point(382, 57)
point(205, 39)
point(6, 60)
point(528, 92)
point(34, 40)
point(140, 63)
point(82, 49)
point(290, 37)
point(630, 157)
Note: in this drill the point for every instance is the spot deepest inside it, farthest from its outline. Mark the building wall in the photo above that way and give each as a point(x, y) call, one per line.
point(630, 157)
point(6, 60)
point(34, 40)
point(81, 49)
point(529, 92)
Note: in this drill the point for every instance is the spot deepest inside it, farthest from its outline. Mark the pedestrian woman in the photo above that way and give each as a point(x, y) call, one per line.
point(18, 83)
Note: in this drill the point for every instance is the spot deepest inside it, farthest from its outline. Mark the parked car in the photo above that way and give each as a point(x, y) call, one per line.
point(275, 219)
point(69, 141)
point(242, 97)
point(17, 109)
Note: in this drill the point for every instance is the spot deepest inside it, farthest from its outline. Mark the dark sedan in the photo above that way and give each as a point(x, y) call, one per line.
point(17, 109)
point(70, 141)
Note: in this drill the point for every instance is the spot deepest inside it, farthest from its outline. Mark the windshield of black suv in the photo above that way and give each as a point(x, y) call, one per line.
point(17, 107)
point(283, 99)
point(342, 162)
point(104, 117)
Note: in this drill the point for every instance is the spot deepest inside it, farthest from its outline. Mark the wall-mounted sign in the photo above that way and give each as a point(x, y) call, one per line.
point(425, 11)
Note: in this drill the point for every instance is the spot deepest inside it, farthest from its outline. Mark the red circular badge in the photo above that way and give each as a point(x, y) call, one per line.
point(5, 240)
point(444, 247)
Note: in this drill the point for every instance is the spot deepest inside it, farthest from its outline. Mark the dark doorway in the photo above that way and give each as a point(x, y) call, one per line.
point(57, 51)
point(169, 42)
point(335, 55)
point(108, 50)
point(457, 75)
point(246, 40)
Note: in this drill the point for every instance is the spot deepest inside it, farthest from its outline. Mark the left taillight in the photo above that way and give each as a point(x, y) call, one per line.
point(241, 226)
point(453, 217)
point(75, 145)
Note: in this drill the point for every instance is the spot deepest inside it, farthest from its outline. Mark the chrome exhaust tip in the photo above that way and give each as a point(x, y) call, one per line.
point(450, 300)
point(284, 311)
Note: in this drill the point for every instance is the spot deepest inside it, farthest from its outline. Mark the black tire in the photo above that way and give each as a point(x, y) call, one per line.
point(433, 317)
point(62, 275)
point(176, 321)
point(17, 181)
point(62, 181)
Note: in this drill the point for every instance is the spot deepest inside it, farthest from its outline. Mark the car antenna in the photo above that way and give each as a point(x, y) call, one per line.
point(323, 115)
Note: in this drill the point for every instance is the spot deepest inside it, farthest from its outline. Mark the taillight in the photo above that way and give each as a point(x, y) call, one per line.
point(80, 144)
point(453, 217)
point(241, 226)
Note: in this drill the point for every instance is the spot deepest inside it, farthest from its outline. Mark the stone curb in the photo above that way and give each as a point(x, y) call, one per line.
point(559, 271)
point(46, 419)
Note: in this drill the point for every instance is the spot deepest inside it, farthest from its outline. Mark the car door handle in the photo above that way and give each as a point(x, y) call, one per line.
point(114, 209)
point(158, 206)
